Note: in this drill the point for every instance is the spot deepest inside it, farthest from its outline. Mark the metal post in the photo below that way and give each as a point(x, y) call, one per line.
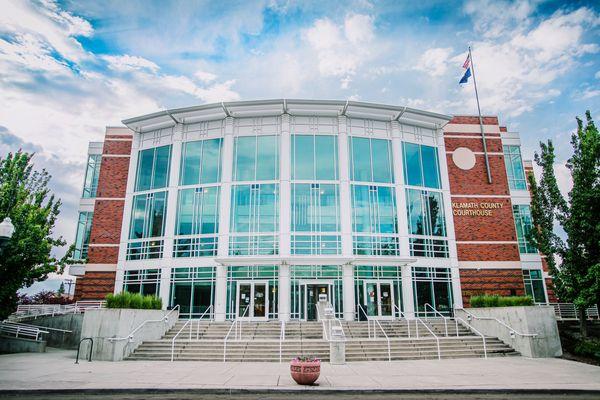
point(487, 161)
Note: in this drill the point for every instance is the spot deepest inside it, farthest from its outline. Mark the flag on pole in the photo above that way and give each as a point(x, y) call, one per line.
point(467, 66)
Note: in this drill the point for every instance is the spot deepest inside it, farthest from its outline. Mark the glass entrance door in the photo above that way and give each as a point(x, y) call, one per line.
point(379, 299)
point(312, 293)
point(252, 300)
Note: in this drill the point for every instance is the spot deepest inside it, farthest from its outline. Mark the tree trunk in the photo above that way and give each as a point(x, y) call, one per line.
point(582, 322)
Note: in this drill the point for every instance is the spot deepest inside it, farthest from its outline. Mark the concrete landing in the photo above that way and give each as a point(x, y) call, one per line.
point(56, 370)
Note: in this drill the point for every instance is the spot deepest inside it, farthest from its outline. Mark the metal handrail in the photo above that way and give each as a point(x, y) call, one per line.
point(200, 319)
point(35, 326)
point(403, 315)
point(437, 339)
point(17, 330)
point(477, 332)
point(334, 320)
point(235, 323)
point(512, 332)
point(441, 315)
point(131, 335)
point(189, 321)
point(376, 322)
point(281, 338)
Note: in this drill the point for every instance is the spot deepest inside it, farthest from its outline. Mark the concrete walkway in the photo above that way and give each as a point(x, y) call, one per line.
point(56, 370)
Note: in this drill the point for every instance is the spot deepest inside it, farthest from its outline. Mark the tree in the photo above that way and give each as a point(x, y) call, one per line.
point(26, 199)
point(577, 276)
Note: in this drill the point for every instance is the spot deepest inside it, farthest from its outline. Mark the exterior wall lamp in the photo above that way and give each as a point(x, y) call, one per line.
point(6, 231)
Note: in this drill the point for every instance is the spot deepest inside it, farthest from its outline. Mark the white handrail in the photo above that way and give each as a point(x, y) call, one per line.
point(235, 323)
point(333, 320)
point(512, 331)
point(129, 337)
point(477, 332)
point(281, 338)
point(441, 315)
point(430, 331)
point(17, 330)
point(403, 315)
point(189, 321)
point(199, 319)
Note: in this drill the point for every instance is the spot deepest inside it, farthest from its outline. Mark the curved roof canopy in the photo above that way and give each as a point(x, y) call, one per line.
point(241, 109)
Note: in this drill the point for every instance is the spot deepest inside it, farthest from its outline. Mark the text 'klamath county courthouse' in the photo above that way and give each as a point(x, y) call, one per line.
point(255, 208)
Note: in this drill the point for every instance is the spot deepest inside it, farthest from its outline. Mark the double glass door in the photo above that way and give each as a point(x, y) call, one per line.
point(312, 293)
point(253, 300)
point(379, 299)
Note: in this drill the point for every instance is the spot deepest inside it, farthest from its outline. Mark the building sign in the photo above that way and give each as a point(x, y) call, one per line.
point(475, 209)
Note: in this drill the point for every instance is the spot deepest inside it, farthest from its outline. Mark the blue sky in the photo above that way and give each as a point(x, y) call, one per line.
point(69, 68)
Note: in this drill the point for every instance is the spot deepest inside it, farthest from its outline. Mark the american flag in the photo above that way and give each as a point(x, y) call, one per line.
point(467, 62)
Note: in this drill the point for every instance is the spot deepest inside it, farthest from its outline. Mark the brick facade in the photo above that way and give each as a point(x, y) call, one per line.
point(502, 282)
point(95, 285)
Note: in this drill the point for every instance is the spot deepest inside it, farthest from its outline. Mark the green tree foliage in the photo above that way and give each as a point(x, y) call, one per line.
point(26, 199)
point(577, 276)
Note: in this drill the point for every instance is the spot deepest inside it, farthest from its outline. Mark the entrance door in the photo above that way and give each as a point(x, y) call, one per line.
point(379, 299)
point(253, 300)
point(311, 293)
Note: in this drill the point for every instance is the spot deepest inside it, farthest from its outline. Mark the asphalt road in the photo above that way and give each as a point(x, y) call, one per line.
point(199, 395)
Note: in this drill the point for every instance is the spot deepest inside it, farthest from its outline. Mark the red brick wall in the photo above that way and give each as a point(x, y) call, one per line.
point(108, 218)
point(502, 282)
point(474, 181)
point(493, 145)
point(95, 285)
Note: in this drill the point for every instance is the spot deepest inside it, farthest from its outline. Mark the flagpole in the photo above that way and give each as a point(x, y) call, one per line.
point(485, 153)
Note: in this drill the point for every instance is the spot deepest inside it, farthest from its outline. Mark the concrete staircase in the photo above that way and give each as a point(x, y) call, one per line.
point(259, 341)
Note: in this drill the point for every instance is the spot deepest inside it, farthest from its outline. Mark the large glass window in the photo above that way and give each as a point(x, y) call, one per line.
point(426, 224)
point(256, 158)
point(534, 285)
point(314, 157)
point(514, 168)
point(148, 215)
point(254, 219)
point(374, 220)
point(421, 165)
point(523, 224)
point(153, 168)
point(92, 172)
point(432, 286)
point(142, 281)
point(201, 162)
point(197, 222)
point(194, 290)
point(82, 237)
point(371, 160)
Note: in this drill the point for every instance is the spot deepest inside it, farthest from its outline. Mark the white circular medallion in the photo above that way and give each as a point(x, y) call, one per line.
point(463, 158)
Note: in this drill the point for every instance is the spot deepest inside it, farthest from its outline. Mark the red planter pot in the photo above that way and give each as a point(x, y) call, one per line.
point(305, 372)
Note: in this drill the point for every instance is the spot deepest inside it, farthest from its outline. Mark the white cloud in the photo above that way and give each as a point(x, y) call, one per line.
point(589, 93)
point(130, 63)
point(597, 75)
point(204, 76)
point(434, 61)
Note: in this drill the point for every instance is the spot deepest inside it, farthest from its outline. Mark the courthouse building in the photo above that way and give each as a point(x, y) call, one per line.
point(253, 209)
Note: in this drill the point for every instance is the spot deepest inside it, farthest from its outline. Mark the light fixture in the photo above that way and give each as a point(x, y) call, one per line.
point(6, 230)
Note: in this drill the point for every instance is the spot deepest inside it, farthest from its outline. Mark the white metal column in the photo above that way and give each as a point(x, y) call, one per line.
point(408, 300)
point(284, 292)
point(345, 193)
point(348, 290)
point(285, 211)
point(220, 305)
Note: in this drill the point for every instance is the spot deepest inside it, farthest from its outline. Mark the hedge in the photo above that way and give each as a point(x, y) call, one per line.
point(133, 300)
point(500, 301)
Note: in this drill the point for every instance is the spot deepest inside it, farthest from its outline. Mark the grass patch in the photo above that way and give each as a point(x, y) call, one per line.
point(133, 300)
point(500, 301)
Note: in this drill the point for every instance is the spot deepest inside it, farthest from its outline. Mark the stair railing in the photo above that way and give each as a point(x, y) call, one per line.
point(476, 332)
point(129, 337)
point(376, 324)
point(436, 312)
point(237, 332)
point(403, 315)
point(512, 332)
point(437, 339)
point(188, 322)
point(281, 338)
point(201, 318)
point(327, 327)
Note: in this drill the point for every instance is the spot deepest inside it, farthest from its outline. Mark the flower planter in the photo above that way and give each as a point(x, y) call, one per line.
point(305, 372)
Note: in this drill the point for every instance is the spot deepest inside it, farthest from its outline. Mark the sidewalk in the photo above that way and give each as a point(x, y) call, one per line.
point(56, 370)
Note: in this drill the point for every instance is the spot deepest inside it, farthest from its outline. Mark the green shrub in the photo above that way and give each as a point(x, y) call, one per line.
point(588, 348)
point(133, 300)
point(500, 301)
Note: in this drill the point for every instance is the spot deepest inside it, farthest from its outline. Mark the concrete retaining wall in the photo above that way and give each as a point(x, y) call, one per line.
point(21, 345)
point(536, 319)
point(103, 324)
point(63, 340)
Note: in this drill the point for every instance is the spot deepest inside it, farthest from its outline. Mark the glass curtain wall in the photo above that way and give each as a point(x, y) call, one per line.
point(193, 288)
point(82, 237)
point(432, 286)
point(514, 168)
point(153, 168)
point(258, 291)
point(147, 222)
point(374, 218)
point(92, 173)
point(197, 224)
point(255, 206)
point(307, 282)
point(523, 225)
point(425, 204)
point(315, 195)
point(142, 281)
point(534, 285)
